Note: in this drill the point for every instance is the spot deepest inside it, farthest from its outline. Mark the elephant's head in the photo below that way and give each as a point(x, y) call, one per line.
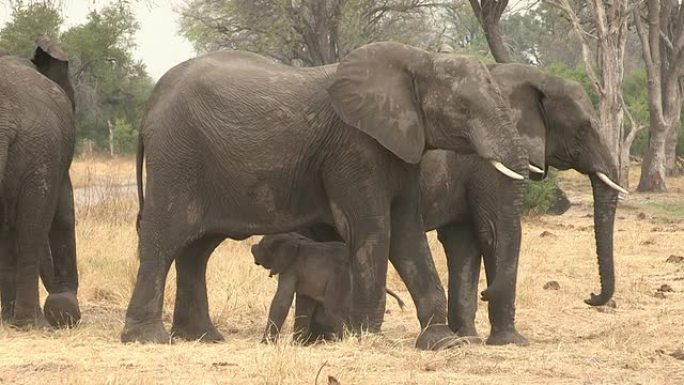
point(410, 100)
point(53, 63)
point(276, 252)
point(557, 124)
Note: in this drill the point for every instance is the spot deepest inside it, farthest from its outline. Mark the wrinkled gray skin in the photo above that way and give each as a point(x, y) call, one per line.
point(476, 211)
point(238, 145)
point(36, 201)
point(318, 273)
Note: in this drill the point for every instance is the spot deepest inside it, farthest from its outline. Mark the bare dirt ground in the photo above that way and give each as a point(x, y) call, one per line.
point(570, 342)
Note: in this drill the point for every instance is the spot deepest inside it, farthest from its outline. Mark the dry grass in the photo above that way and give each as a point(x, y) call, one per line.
point(571, 343)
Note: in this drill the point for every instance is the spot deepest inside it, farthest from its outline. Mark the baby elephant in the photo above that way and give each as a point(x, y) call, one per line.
point(320, 275)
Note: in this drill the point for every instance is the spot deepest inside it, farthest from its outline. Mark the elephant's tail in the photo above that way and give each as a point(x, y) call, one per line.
point(139, 156)
point(396, 296)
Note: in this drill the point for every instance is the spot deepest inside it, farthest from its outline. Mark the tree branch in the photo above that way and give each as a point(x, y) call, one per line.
point(583, 35)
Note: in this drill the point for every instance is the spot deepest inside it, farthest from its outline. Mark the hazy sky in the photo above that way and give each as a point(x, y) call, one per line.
point(159, 45)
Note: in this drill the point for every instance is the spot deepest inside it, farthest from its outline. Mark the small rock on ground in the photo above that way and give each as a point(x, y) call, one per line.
point(552, 285)
point(675, 259)
point(665, 288)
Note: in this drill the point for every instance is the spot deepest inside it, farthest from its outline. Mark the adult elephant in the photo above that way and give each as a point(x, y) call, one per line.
point(237, 145)
point(36, 201)
point(476, 211)
point(557, 124)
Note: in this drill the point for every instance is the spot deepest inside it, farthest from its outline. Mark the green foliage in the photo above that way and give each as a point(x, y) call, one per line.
point(29, 22)
point(110, 86)
point(302, 32)
point(540, 195)
point(125, 136)
point(635, 93)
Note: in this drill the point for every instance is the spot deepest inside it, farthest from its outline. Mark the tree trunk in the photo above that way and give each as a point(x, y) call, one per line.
point(610, 107)
point(496, 43)
point(488, 13)
point(653, 168)
point(624, 165)
point(111, 138)
point(671, 168)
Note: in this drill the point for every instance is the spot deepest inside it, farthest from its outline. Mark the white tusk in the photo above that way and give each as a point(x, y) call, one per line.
point(506, 171)
point(535, 169)
point(604, 178)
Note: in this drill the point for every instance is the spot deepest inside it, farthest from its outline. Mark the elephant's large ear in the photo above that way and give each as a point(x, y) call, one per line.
point(52, 62)
point(374, 91)
point(522, 85)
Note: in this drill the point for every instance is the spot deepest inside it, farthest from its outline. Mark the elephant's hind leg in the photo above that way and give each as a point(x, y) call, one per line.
point(144, 313)
point(191, 313)
point(61, 306)
point(32, 247)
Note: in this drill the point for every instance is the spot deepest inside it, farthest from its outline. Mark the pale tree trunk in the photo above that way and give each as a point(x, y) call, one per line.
point(111, 138)
point(625, 147)
point(663, 49)
point(671, 147)
point(610, 22)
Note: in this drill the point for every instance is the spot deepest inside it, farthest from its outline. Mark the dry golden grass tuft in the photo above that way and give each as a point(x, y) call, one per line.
point(570, 343)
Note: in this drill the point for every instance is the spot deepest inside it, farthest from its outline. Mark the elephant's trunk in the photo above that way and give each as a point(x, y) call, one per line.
point(605, 203)
point(507, 231)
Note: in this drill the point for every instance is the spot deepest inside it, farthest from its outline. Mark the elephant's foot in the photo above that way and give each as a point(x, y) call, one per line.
point(145, 333)
point(7, 314)
point(439, 337)
point(206, 333)
point(466, 331)
point(506, 337)
point(62, 310)
point(28, 321)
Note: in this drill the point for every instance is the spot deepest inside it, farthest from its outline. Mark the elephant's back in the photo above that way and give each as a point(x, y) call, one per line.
point(234, 76)
point(28, 91)
point(237, 98)
point(35, 106)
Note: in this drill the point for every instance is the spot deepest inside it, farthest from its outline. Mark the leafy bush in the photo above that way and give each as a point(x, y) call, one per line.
point(125, 137)
point(540, 195)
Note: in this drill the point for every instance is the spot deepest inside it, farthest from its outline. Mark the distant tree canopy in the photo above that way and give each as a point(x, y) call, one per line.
point(305, 32)
point(111, 87)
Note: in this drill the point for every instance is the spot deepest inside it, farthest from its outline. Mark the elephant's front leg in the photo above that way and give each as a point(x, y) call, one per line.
point(410, 255)
point(191, 319)
point(501, 304)
point(463, 259)
point(60, 273)
point(369, 250)
point(365, 228)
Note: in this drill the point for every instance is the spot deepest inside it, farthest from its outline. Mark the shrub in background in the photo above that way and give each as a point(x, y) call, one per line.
point(540, 195)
